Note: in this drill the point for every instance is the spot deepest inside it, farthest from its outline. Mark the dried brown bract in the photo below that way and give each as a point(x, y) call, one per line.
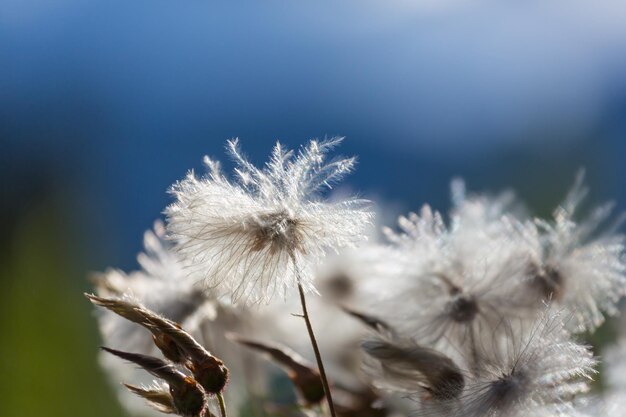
point(176, 344)
point(188, 399)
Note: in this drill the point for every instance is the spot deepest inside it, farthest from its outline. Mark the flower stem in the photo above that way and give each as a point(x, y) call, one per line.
point(316, 350)
point(220, 400)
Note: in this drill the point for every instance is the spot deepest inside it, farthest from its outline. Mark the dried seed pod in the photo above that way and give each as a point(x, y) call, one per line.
point(176, 344)
point(208, 370)
point(403, 365)
point(188, 397)
point(137, 313)
point(304, 376)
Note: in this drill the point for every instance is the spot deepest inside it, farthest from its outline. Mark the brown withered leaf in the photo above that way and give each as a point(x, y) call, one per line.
point(305, 376)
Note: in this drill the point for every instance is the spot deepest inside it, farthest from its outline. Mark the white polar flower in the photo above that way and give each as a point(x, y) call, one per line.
point(537, 373)
point(453, 284)
point(262, 233)
point(570, 262)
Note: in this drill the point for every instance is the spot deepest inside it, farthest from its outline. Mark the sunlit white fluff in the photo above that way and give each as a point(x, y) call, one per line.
point(538, 373)
point(261, 233)
point(613, 401)
point(453, 283)
point(582, 269)
point(482, 211)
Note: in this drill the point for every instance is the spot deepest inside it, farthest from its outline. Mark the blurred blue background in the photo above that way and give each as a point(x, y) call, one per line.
point(104, 104)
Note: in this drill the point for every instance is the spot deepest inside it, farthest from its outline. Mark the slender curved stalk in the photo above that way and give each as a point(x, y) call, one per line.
point(316, 350)
point(474, 352)
point(220, 400)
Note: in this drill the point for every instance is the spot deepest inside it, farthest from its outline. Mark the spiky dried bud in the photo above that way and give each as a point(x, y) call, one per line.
point(176, 344)
point(304, 376)
point(188, 397)
point(135, 312)
point(209, 371)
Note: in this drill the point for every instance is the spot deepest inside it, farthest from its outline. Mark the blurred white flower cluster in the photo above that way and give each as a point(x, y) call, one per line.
point(480, 314)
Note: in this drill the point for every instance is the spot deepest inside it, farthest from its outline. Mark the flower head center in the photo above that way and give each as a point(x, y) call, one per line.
point(505, 390)
point(547, 280)
point(277, 231)
point(462, 308)
point(339, 286)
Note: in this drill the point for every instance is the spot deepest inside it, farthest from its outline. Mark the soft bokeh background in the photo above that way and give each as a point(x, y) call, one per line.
point(104, 104)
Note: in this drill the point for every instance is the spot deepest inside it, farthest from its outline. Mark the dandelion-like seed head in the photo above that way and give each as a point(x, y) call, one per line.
point(261, 233)
point(575, 263)
point(453, 280)
point(539, 369)
point(535, 372)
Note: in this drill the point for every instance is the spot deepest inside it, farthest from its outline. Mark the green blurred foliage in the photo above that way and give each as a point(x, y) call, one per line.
point(49, 337)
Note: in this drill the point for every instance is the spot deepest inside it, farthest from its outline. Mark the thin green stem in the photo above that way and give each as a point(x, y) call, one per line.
point(316, 350)
point(222, 403)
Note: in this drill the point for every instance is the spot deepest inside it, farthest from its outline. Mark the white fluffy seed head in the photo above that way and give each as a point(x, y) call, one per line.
point(260, 234)
point(575, 264)
point(453, 284)
point(537, 373)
